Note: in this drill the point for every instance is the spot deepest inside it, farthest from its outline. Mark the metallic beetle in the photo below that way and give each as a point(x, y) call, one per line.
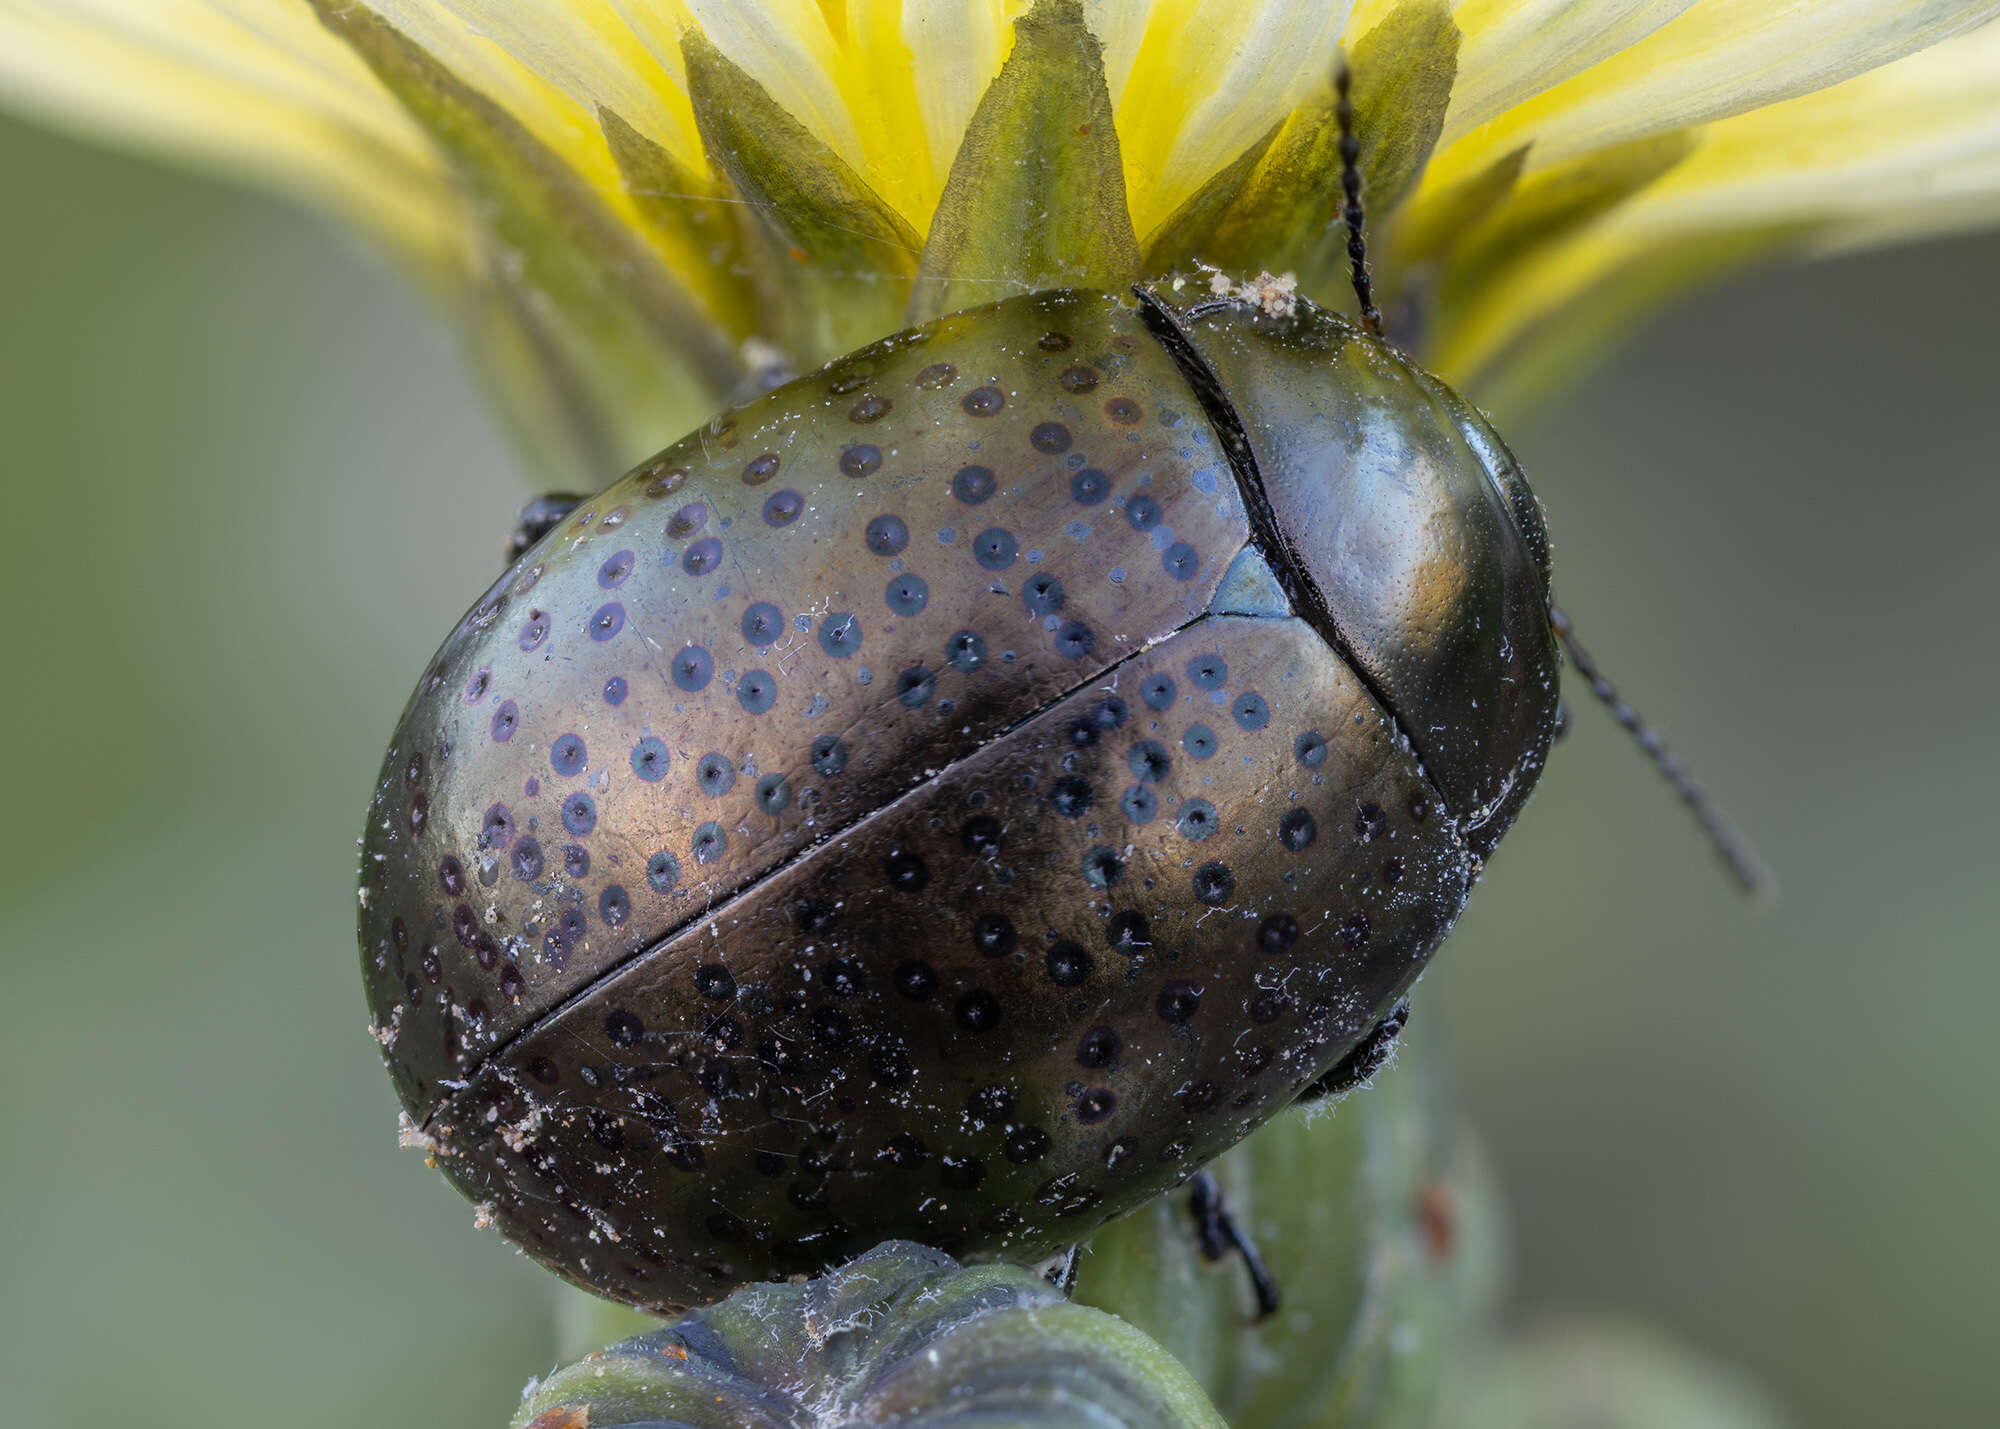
point(957, 794)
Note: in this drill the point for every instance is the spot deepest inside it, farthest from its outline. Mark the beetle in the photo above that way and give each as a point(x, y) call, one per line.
point(958, 793)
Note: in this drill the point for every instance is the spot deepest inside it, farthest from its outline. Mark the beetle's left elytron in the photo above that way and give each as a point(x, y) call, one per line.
point(957, 794)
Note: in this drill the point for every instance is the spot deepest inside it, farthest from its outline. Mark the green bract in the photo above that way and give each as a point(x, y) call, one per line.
point(901, 1336)
point(624, 204)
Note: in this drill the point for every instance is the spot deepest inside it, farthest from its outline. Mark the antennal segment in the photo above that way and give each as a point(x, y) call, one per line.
point(1350, 188)
point(1735, 850)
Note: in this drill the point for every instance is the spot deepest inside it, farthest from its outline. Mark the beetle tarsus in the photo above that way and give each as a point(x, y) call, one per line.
point(1062, 1274)
point(539, 517)
point(1217, 1235)
point(1368, 1057)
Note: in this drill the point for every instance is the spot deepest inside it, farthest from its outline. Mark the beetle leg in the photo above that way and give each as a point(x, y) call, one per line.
point(539, 517)
point(1217, 1233)
point(1062, 1272)
point(1367, 1058)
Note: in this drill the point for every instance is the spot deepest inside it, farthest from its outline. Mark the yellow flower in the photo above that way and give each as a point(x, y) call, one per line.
point(630, 202)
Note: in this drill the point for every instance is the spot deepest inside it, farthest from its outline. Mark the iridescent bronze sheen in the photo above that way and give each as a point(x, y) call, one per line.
point(954, 795)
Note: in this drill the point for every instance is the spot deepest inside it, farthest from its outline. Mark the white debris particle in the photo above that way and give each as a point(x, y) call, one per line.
point(409, 1135)
point(386, 1033)
point(1277, 295)
point(519, 1135)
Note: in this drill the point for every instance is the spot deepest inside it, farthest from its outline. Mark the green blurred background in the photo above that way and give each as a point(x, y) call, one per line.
point(248, 485)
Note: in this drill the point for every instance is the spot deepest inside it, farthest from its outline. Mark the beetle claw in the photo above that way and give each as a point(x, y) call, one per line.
point(1217, 1234)
point(540, 516)
point(1061, 1272)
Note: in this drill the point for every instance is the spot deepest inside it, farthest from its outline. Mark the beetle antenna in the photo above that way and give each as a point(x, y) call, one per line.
point(1350, 191)
point(1735, 850)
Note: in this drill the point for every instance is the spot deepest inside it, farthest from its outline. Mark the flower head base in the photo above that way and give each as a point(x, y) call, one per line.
point(618, 196)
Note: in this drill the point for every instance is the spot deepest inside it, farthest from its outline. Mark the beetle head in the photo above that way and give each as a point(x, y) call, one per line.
point(1403, 527)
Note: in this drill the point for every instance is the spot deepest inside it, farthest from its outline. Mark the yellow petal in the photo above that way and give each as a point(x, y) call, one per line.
point(245, 88)
point(1718, 58)
point(956, 47)
point(1910, 148)
point(584, 81)
point(1594, 153)
point(873, 73)
point(1207, 79)
point(848, 72)
point(556, 66)
point(1273, 208)
point(584, 48)
point(480, 64)
point(657, 25)
point(840, 257)
point(1120, 27)
point(615, 318)
point(786, 46)
point(1515, 49)
point(1881, 153)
